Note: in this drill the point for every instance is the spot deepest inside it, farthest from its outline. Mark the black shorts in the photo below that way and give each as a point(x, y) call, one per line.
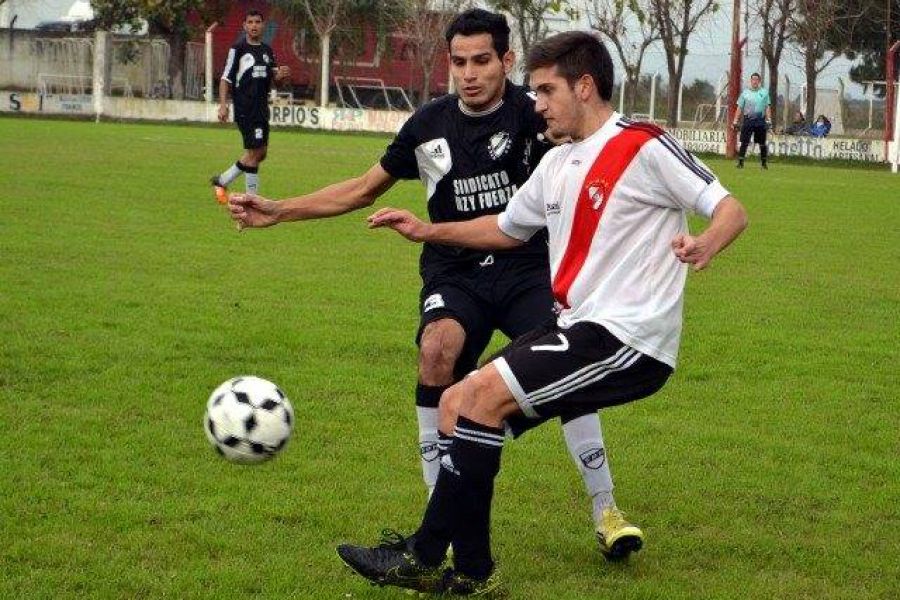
point(564, 372)
point(755, 129)
point(254, 131)
point(512, 296)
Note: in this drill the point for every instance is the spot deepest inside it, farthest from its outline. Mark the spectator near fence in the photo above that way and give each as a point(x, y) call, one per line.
point(821, 128)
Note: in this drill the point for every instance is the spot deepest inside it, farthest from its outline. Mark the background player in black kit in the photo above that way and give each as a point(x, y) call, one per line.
point(471, 150)
point(249, 72)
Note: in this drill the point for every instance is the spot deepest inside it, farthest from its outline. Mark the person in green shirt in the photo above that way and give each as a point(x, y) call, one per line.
point(754, 105)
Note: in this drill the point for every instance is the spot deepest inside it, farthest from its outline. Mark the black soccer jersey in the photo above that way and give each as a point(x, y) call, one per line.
point(249, 69)
point(471, 165)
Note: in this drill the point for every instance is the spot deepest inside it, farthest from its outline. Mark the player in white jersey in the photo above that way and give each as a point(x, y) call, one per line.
point(614, 202)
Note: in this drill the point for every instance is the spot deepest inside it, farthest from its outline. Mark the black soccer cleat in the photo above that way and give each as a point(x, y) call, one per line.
point(393, 562)
point(458, 584)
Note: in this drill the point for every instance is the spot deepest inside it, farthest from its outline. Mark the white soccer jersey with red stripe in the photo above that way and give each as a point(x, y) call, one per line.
point(611, 228)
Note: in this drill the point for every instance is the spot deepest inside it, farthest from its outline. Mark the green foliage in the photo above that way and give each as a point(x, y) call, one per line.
point(765, 469)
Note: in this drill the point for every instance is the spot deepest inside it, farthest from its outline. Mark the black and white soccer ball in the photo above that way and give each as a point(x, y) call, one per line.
point(248, 419)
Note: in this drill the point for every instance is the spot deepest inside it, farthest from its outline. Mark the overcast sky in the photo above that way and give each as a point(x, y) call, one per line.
point(708, 55)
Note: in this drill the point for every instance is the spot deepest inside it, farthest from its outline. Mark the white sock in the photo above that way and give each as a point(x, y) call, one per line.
point(585, 442)
point(232, 173)
point(429, 454)
point(252, 183)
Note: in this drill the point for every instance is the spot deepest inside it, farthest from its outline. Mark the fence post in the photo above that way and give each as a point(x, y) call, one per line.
point(896, 159)
point(208, 64)
point(99, 72)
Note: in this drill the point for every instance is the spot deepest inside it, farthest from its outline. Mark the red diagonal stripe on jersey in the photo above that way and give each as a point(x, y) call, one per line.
point(611, 162)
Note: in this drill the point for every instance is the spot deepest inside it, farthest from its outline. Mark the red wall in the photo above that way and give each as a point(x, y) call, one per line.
point(391, 66)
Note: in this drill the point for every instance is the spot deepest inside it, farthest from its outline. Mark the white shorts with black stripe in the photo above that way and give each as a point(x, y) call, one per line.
point(559, 372)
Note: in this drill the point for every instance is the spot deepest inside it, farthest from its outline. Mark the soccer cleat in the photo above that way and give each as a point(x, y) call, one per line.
point(220, 190)
point(765, 166)
point(393, 562)
point(617, 537)
point(457, 584)
point(740, 164)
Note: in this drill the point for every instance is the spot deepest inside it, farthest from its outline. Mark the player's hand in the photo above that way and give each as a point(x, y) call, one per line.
point(282, 72)
point(735, 126)
point(402, 221)
point(692, 250)
point(252, 211)
point(223, 114)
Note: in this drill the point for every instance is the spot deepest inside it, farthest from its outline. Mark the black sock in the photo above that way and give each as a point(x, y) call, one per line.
point(475, 453)
point(460, 507)
point(444, 442)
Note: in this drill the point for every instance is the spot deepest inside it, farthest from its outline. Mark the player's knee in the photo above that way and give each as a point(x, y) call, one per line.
point(437, 356)
point(261, 155)
point(448, 408)
point(478, 400)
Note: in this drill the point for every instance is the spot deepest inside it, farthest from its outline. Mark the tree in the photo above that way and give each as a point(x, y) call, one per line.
point(424, 22)
point(176, 20)
point(632, 29)
point(876, 31)
point(821, 30)
point(529, 18)
point(775, 16)
point(677, 20)
point(329, 19)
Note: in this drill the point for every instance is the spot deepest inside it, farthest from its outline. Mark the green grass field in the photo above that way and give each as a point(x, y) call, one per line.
point(767, 468)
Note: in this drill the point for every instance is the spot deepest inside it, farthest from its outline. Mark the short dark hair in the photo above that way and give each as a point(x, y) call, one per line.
point(254, 12)
point(752, 75)
point(575, 53)
point(478, 20)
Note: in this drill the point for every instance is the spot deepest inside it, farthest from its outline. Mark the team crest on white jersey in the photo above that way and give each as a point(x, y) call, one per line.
point(499, 144)
point(597, 192)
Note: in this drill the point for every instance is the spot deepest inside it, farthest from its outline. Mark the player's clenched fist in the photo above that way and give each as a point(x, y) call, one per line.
point(692, 250)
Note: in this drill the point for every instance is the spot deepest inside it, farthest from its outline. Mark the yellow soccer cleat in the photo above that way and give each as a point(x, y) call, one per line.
point(617, 537)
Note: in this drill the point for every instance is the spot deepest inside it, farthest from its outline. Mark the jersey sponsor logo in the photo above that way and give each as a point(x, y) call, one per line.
point(432, 302)
point(593, 458)
point(483, 192)
point(429, 451)
point(499, 144)
point(260, 72)
point(553, 208)
point(561, 347)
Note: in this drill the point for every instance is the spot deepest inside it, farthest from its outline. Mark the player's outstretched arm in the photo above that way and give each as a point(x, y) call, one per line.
point(728, 221)
point(481, 233)
point(330, 201)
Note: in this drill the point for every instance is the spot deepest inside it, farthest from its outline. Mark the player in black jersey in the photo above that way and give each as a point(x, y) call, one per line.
point(471, 150)
point(249, 72)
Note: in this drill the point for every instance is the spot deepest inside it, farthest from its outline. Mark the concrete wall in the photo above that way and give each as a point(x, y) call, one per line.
point(340, 119)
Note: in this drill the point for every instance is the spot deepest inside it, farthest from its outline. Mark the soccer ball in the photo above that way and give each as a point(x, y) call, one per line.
point(248, 419)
